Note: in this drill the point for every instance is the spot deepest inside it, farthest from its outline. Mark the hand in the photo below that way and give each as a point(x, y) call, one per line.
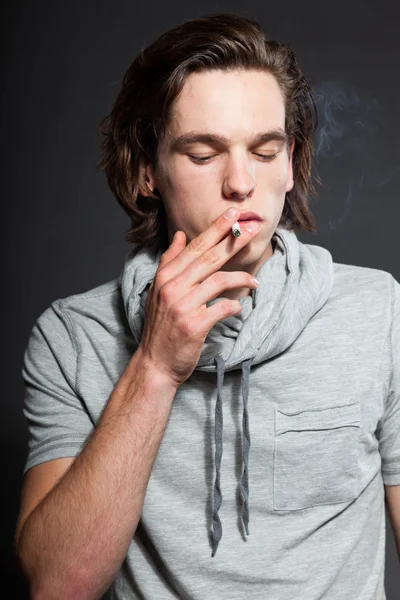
point(177, 320)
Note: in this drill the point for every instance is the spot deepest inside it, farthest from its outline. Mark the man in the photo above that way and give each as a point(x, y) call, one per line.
point(126, 475)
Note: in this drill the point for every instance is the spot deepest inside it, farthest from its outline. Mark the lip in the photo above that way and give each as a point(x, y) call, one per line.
point(249, 216)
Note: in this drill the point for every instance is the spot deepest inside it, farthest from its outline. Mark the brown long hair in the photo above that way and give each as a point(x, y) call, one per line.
point(150, 87)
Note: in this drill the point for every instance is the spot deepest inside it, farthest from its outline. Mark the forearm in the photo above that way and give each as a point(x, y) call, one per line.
point(74, 542)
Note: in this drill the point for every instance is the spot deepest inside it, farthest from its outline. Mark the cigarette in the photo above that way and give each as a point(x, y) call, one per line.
point(236, 229)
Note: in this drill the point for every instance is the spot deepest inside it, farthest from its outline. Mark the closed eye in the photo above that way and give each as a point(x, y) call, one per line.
point(205, 159)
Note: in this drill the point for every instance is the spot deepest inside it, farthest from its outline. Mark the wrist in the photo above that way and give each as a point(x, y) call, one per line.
point(141, 365)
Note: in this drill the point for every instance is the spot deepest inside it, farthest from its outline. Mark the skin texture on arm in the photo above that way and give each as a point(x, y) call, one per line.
point(74, 541)
point(392, 501)
point(37, 483)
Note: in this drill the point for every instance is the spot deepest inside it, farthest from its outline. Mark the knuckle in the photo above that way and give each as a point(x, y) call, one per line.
point(188, 327)
point(159, 280)
point(196, 244)
point(219, 278)
point(166, 293)
point(210, 258)
point(221, 224)
point(225, 306)
point(177, 310)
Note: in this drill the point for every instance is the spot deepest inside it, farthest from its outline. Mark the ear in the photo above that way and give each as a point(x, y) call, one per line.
point(147, 180)
point(290, 180)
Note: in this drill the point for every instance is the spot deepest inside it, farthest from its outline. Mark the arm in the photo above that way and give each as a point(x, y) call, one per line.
point(392, 501)
point(75, 540)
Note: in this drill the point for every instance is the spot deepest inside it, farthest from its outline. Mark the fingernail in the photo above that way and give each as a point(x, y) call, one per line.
point(231, 213)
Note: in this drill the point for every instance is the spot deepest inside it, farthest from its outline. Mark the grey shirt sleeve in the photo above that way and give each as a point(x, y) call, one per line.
point(57, 419)
point(389, 426)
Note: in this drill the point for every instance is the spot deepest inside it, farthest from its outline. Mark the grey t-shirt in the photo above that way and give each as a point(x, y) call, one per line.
point(323, 400)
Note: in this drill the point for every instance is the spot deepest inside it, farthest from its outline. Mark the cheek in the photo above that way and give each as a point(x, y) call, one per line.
point(194, 187)
point(182, 177)
point(281, 178)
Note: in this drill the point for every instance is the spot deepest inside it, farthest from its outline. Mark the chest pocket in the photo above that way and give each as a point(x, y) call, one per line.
point(316, 456)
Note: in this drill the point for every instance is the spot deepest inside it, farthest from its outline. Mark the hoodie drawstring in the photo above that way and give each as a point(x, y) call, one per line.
point(244, 481)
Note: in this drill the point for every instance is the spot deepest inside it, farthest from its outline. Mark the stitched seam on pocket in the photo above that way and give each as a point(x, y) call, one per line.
point(311, 420)
point(317, 409)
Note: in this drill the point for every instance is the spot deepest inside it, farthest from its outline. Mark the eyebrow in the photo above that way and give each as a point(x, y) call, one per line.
point(193, 137)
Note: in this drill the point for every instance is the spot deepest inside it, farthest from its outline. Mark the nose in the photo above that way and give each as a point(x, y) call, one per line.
point(239, 178)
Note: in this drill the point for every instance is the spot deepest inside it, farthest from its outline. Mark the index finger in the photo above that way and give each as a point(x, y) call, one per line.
point(217, 239)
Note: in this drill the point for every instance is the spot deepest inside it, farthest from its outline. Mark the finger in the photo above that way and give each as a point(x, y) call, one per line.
point(177, 244)
point(214, 285)
point(210, 252)
point(200, 244)
point(218, 311)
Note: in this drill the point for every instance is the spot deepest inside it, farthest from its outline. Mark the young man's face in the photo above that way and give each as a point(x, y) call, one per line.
point(237, 105)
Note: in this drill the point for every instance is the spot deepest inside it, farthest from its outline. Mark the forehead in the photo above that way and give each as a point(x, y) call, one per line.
point(231, 102)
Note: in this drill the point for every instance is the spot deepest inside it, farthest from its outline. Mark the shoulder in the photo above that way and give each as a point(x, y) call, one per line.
point(99, 306)
point(102, 302)
point(365, 275)
point(364, 282)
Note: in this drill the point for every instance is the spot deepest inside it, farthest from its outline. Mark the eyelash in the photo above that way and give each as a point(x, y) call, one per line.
point(203, 159)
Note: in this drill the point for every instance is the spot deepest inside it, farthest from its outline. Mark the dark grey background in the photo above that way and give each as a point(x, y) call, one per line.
point(63, 232)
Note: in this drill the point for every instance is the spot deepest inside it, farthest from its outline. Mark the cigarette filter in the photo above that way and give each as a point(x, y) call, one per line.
point(236, 229)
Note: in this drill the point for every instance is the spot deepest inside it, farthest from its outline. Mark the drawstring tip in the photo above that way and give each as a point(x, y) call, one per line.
point(216, 537)
point(246, 528)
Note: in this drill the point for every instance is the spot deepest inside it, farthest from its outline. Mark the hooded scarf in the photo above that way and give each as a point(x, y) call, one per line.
point(295, 282)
